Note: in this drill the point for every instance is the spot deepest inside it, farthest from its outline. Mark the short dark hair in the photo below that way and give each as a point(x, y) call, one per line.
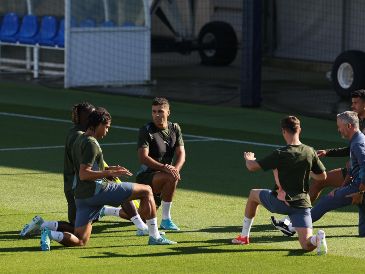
point(98, 116)
point(80, 113)
point(159, 101)
point(291, 124)
point(360, 93)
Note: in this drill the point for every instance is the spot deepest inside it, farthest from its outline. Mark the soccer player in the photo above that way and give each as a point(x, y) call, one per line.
point(336, 177)
point(159, 141)
point(353, 192)
point(93, 190)
point(292, 165)
point(80, 115)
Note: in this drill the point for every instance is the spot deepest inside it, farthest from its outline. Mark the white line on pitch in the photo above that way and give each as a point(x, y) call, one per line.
point(106, 144)
point(136, 129)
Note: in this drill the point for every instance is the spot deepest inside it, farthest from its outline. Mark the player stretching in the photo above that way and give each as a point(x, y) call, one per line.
point(292, 165)
point(93, 190)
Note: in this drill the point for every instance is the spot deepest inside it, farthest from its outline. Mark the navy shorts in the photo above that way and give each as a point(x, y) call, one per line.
point(299, 217)
point(114, 195)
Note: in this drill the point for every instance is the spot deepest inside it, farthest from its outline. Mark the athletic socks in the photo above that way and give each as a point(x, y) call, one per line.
point(52, 225)
point(152, 228)
point(246, 227)
point(111, 211)
point(313, 240)
point(56, 235)
point(166, 210)
point(139, 223)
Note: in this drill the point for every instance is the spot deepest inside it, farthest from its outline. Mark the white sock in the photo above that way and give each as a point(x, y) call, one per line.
point(111, 211)
point(52, 225)
point(291, 228)
point(139, 223)
point(57, 236)
point(166, 210)
point(152, 228)
point(313, 240)
point(246, 227)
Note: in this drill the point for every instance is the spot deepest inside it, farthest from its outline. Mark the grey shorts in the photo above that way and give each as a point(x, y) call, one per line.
point(114, 195)
point(299, 217)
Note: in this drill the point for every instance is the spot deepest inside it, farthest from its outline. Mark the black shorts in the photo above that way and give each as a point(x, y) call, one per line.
point(146, 178)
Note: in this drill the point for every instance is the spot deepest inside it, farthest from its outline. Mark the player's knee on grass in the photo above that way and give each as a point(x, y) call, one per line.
point(304, 235)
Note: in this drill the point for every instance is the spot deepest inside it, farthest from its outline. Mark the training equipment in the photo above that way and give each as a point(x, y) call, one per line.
point(168, 224)
point(321, 243)
point(282, 226)
point(241, 240)
point(160, 241)
point(45, 240)
point(33, 227)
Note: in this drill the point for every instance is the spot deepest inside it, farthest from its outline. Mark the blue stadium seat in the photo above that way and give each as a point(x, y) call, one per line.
point(87, 23)
point(29, 30)
point(108, 24)
point(9, 28)
point(48, 31)
point(128, 24)
point(60, 36)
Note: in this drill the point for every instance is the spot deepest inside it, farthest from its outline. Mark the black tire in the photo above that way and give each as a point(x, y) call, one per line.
point(348, 72)
point(217, 44)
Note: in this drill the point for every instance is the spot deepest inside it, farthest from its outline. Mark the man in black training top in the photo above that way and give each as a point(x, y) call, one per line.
point(159, 141)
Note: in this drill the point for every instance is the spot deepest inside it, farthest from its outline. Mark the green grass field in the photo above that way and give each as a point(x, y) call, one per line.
point(209, 203)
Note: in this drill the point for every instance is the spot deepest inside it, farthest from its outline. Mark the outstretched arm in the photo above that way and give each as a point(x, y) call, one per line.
point(87, 174)
point(251, 163)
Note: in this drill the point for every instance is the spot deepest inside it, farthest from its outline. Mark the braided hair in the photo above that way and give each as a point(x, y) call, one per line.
point(80, 114)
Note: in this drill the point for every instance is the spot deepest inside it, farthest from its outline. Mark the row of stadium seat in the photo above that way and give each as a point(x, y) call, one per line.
point(50, 32)
point(28, 30)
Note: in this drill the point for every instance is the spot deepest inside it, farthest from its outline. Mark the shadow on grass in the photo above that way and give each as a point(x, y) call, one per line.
point(333, 226)
point(9, 235)
point(232, 229)
point(178, 251)
point(104, 226)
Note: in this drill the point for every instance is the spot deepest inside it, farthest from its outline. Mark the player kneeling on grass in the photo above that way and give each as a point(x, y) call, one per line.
point(80, 118)
point(292, 165)
point(93, 190)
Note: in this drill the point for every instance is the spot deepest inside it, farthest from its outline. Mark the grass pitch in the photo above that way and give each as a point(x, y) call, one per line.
point(209, 203)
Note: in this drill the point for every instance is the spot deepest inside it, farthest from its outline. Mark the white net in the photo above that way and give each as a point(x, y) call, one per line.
point(108, 42)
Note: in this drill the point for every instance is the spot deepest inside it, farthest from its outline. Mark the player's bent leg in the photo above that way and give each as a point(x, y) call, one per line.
point(65, 227)
point(71, 205)
point(79, 238)
point(304, 237)
point(252, 203)
point(330, 202)
point(334, 178)
point(147, 204)
point(250, 212)
point(165, 184)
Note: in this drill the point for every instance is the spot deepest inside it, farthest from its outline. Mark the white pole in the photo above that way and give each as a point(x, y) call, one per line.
point(36, 62)
point(67, 41)
point(29, 7)
point(106, 10)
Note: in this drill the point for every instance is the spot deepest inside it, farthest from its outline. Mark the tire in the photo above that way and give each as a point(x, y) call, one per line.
point(348, 72)
point(217, 44)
